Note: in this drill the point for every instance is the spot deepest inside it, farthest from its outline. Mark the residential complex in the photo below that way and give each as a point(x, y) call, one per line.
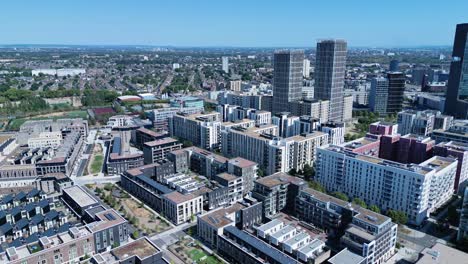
point(416, 189)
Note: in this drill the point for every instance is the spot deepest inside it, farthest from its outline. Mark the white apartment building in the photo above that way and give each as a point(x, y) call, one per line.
point(335, 131)
point(235, 85)
point(273, 154)
point(347, 108)
point(416, 189)
point(422, 122)
point(306, 69)
point(315, 108)
point(201, 129)
point(288, 125)
point(225, 66)
point(181, 208)
point(160, 116)
point(46, 139)
point(232, 113)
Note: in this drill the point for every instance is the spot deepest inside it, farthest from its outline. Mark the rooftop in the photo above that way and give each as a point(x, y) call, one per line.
point(279, 178)
point(141, 248)
point(346, 257)
point(80, 196)
point(442, 254)
point(177, 197)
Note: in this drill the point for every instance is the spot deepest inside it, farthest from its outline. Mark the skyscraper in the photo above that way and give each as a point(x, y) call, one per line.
point(329, 75)
point(287, 78)
point(396, 89)
point(394, 65)
point(306, 70)
point(225, 64)
point(457, 90)
point(379, 95)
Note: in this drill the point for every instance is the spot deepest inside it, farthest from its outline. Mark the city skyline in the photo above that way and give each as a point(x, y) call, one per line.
point(240, 24)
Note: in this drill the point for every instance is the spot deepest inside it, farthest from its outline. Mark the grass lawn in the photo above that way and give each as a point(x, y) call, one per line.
point(97, 164)
point(16, 123)
point(210, 260)
point(196, 254)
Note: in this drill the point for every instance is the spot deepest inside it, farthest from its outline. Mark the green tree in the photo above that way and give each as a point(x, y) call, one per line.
point(374, 208)
point(135, 234)
point(308, 172)
point(260, 172)
point(292, 172)
point(340, 196)
point(316, 186)
point(360, 202)
point(398, 217)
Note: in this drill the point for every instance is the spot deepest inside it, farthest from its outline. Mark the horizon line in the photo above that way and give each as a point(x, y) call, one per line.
point(217, 46)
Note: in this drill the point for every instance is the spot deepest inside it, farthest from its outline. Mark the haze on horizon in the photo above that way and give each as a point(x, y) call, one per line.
point(241, 23)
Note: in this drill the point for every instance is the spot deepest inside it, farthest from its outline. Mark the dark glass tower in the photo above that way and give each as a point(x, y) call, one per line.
point(287, 78)
point(456, 103)
point(330, 69)
point(396, 89)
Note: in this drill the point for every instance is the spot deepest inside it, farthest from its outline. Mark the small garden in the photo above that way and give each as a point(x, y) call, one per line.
point(146, 221)
point(190, 251)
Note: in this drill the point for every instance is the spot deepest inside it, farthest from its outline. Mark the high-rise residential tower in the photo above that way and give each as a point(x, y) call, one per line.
point(457, 90)
point(225, 64)
point(329, 75)
point(287, 79)
point(379, 95)
point(396, 89)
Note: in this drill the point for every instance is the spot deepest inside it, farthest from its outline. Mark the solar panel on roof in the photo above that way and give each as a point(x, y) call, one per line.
point(117, 145)
point(110, 216)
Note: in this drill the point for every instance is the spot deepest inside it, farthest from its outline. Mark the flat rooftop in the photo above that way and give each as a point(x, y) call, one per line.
point(159, 142)
point(269, 225)
point(346, 257)
point(278, 179)
point(442, 254)
point(80, 196)
point(141, 248)
point(177, 198)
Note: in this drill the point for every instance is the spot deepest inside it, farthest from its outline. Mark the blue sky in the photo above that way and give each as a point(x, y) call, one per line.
point(239, 23)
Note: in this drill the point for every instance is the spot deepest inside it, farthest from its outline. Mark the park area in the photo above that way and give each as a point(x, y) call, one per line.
point(15, 124)
point(96, 161)
point(189, 251)
point(146, 221)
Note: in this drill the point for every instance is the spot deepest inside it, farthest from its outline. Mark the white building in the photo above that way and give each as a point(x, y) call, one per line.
point(160, 116)
point(347, 108)
point(379, 95)
point(58, 72)
point(175, 66)
point(288, 125)
point(416, 189)
point(306, 69)
point(225, 64)
point(335, 131)
point(235, 85)
point(46, 139)
point(273, 154)
point(422, 122)
point(201, 129)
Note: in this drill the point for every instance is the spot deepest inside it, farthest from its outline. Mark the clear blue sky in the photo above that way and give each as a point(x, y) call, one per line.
point(231, 23)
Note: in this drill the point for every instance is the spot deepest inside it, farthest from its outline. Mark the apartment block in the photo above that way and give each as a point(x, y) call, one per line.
point(364, 232)
point(181, 208)
point(460, 152)
point(273, 154)
point(157, 150)
point(201, 129)
point(277, 192)
point(416, 189)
